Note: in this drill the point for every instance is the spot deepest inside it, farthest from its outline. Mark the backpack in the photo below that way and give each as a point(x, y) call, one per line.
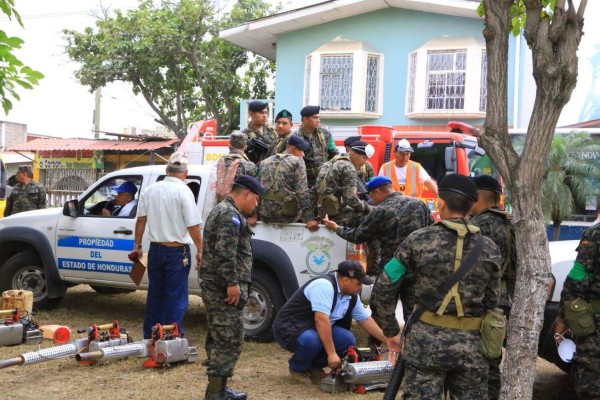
point(226, 172)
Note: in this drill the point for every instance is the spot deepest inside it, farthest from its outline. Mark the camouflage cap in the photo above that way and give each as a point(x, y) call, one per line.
point(238, 140)
point(25, 169)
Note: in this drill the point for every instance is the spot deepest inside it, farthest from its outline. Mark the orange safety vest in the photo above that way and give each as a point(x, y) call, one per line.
point(412, 187)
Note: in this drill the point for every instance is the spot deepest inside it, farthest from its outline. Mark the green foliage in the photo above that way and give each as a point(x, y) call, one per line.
point(518, 16)
point(572, 174)
point(171, 53)
point(13, 73)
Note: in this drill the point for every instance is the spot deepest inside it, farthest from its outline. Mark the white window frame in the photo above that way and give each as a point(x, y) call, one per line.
point(418, 78)
point(360, 53)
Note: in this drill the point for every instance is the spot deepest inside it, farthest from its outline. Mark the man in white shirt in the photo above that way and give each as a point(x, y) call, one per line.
point(408, 177)
point(174, 222)
point(125, 200)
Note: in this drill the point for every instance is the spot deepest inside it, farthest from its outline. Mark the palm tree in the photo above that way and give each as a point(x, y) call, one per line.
point(570, 178)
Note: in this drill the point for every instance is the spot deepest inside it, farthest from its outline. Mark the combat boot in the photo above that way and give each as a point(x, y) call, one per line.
point(231, 394)
point(215, 388)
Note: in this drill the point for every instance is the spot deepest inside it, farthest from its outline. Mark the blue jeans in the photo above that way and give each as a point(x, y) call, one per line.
point(309, 349)
point(167, 298)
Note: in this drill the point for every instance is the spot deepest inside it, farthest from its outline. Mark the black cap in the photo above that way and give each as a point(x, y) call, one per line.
point(309, 111)
point(257, 105)
point(458, 184)
point(295, 140)
point(250, 183)
point(353, 269)
point(349, 140)
point(487, 182)
point(284, 114)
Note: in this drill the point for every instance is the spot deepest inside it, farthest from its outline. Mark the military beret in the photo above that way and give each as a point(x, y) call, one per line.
point(487, 182)
point(250, 183)
point(284, 114)
point(460, 184)
point(238, 140)
point(257, 105)
point(309, 111)
point(295, 140)
point(378, 181)
point(362, 148)
point(349, 140)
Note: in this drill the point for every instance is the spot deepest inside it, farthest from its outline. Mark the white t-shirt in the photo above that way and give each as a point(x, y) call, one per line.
point(170, 208)
point(401, 174)
point(126, 209)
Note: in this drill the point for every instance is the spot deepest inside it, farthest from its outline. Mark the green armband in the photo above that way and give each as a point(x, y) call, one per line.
point(578, 272)
point(395, 269)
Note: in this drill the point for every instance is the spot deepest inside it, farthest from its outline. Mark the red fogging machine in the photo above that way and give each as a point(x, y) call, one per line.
point(18, 328)
point(98, 336)
point(166, 346)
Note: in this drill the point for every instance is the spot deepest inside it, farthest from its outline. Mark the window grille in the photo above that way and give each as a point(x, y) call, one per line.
point(372, 83)
point(307, 71)
point(483, 85)
point(412, 76)
point(336, 82)
point(446, 72)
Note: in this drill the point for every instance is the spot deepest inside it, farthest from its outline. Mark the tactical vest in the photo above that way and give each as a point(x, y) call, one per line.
point(328, 202)
point(288, 203)
point(297, 315)
point(226, 171)
point(412, 187)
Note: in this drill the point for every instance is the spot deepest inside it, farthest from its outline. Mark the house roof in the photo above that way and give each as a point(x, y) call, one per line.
point(89, 144)
point(260, 35)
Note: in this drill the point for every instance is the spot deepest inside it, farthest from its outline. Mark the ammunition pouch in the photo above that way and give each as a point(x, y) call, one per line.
point(289, 204)
point(329, 204)
point(451, 321)
point(580, 317)
point(493, 332)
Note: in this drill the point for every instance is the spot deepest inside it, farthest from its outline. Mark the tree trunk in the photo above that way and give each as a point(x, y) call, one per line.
point(556, 231)
point(554, 44)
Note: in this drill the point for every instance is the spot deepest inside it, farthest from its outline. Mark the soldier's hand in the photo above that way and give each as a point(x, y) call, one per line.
point(333, 361)
point(332, 226)
point(312, 225)
point(394, 348)
point(560, 327)
point(233, 295)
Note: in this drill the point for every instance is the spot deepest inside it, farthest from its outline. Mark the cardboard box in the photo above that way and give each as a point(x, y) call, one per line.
point(139, 269)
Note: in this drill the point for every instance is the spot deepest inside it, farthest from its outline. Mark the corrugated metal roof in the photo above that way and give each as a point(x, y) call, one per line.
point(89, 144)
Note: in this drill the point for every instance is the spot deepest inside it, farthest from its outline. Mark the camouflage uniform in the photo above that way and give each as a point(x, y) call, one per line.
point(583, 282)
point(25, 198)
point(322, 148)
point(246, 166)
point(497, 225)
point(278, 146)
point(434, 354)
point(267, 134)
point(366, 172)
point(284, 177)
point(338, 178)
point(226, 261)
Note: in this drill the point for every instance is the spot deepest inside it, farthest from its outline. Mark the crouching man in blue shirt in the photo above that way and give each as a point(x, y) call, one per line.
point(315, 322)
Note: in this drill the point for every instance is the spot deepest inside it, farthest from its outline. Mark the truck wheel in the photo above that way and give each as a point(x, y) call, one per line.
point(264, 302)
point(111, 290)
point(24, 271)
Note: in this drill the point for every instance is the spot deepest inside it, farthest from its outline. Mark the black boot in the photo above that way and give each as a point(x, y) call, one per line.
point(215, 388)
point(231, 394)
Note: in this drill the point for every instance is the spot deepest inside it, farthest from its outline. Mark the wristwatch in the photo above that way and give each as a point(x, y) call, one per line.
point(138, 246)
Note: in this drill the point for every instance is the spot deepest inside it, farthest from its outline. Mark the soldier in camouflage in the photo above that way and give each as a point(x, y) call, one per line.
point(366, 172)
point(583, 282)
point(436, 354)
point(226, 273)
point(284, 177)
point(283, 125)
point(497, 225)
point(322, 147)
point(258, 129)
point(26, 195)
point(237, 144)
point(336, 187)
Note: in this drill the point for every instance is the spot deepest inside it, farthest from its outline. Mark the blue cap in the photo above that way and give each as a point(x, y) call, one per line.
point(284, 114)
point(126, 186)
point(378, 181)
point(257, 105)
point(309, 111)
point(250, 183)
point(295, 140)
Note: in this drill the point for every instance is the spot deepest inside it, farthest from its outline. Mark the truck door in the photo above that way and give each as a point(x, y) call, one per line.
point(96, 246)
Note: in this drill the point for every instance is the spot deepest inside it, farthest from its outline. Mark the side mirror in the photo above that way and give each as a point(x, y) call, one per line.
point(479, 151)
point(450, 159)
point(70, 209)
point(427, 144)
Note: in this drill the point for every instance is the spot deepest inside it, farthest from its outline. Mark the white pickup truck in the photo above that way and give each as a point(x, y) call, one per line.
point(47, 251)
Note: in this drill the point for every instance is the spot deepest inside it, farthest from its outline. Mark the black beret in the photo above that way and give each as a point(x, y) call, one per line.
point(284, 114)
point(309, 111)
point(257, 105)
point(295, 140)
point(458, 184)
point(358, 146)
point(250, 183)
point(350, 140)
point(487, 182)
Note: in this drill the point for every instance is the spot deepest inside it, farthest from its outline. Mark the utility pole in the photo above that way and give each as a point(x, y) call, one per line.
point(98, 98)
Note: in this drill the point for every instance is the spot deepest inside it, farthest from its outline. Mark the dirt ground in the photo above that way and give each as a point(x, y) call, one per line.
point(261, 371)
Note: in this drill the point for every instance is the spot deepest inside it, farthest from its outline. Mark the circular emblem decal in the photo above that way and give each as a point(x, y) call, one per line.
point(318, 262)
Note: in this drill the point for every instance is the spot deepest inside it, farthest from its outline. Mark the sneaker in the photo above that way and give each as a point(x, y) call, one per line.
point(301, 376)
